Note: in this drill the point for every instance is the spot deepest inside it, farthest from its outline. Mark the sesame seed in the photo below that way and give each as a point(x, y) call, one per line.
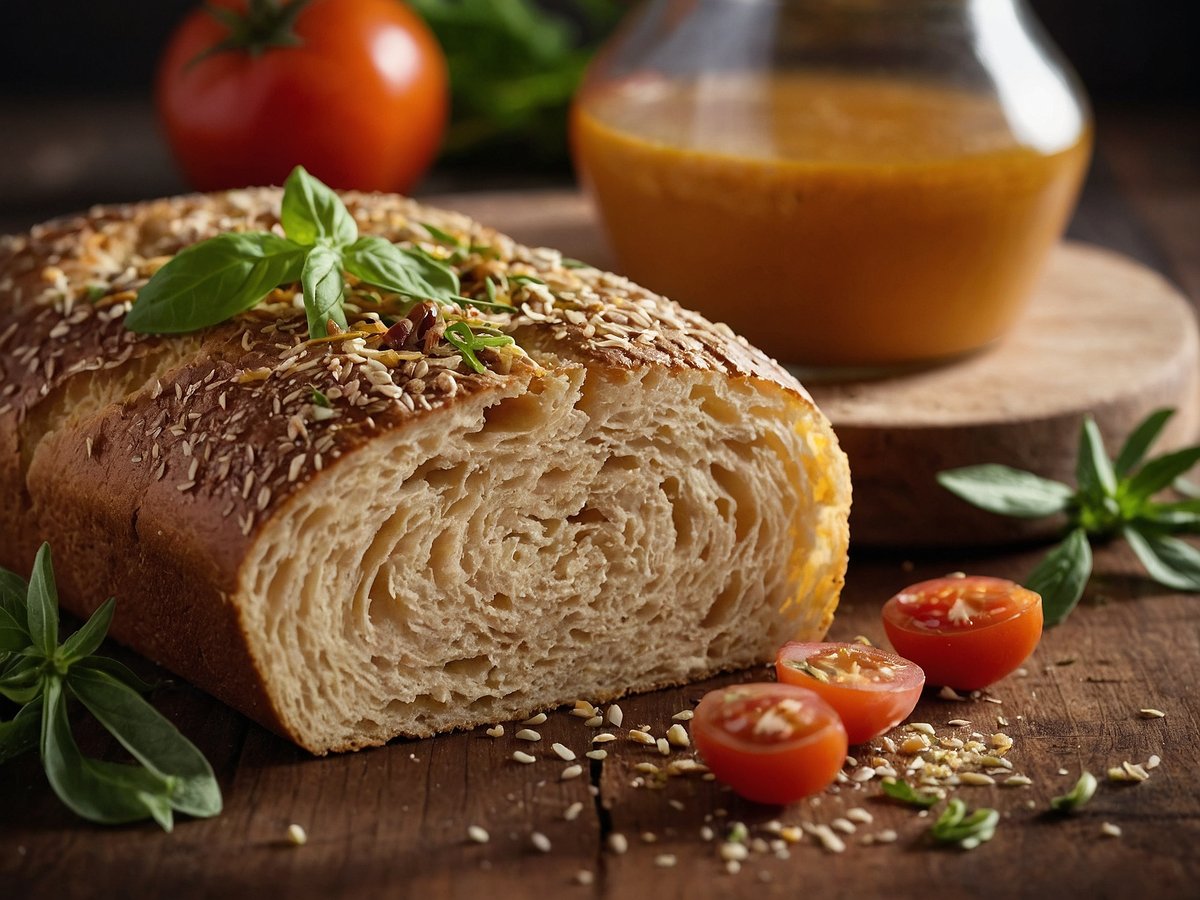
point(733, 867)
point(594, 722)
point(791, 834)
point(539, 719)
point(522, 757)
point(571, 813)
point(665, 860)
point(646, 768)
point(887, 836)
point(828, 839)
point(571, 772)
point(603, 738)
point(865, 773)
point(1108, 829)
point(296, 835)
point(478, 835)
point(540, 842)
point(683, 715)
point(678, 736)
point(975, 778)
point(664, 746)
point(921, 728)
point(649, 837)
point(564, 753)
point(528, 734)
point(640, 737)
point(958, 723)
point(618, 843)
point(615, 715)
point(1154, 761)
point(597, 754)
point(1151, 713)
point(860, 815)
point(845, 826)
point(1016, 781)
point(496, 731)
point(584, 877)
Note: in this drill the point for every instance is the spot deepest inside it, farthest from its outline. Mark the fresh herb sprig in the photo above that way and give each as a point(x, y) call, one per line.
point(967, 830)
point(903, 792)
point(216, 279)
point(1112, 498)
point(1083, 791)
point(42, 675)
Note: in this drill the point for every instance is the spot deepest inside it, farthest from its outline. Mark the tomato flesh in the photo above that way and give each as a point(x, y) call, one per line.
point(361, 101)
point(965, 632)
point(872, 689)
point(771, 743)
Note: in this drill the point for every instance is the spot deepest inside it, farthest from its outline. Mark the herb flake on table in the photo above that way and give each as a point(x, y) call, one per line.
point(1111, 498)
point(45, 677)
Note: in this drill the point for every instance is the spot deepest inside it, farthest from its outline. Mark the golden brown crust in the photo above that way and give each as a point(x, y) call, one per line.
point(156, 491)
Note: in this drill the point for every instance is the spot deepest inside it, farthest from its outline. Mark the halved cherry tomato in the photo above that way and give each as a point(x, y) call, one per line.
point(872, 689)
point(965, 632)
point(771, 743)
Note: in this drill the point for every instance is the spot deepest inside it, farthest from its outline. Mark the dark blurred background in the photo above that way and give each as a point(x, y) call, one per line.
point(77, 127)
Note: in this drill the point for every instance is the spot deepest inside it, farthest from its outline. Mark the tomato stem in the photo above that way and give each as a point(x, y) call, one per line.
point(263, 25)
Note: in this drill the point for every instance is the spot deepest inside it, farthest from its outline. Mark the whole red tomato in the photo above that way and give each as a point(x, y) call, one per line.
point(354, 90)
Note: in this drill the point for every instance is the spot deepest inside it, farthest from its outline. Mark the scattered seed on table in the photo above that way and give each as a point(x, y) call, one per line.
point(540, 842)
point(597, 754)
point(678, 736)
point(563, 752)
point(615, 715)
point(496, 731)
point(478, 835)
point(528, 734)
point(618, 843)
point(571, 772)
point(522, 757)
point(539, 719)
point(296, 835)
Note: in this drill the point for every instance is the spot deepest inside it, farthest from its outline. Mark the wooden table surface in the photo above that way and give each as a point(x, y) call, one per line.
point(392, 822)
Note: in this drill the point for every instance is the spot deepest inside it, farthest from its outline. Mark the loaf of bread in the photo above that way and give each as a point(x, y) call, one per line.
point(349, 542)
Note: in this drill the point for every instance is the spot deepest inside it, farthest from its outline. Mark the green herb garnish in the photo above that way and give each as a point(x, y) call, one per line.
point(318, 398)
point(1111, 499)
point(216, 279)
point(904, 792)
point(955, 826)
point(467, 342)
point(1084, 788)
point(41, 675)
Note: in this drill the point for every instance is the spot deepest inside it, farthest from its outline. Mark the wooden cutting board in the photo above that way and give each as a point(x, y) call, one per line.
point(1102, 335)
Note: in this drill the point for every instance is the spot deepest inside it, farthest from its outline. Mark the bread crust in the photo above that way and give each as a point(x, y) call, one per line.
point(154, 485)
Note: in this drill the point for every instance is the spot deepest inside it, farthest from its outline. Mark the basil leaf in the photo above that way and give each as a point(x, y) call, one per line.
point(1061, 576)
point(1093, 471)
point(1183, 515)
point(312, 212)
point(1159, 473)
point(379, 262)
point(42, 604)
point(19, 735)
point(904, 792)
point(117, 670)
point(442, 237)
point(13, 589)
point(1007, 491)
point(87, 639)
point(100, 792)
point(151, 739)
point(214, 280)
point(324, 288)
point(1168, 560)
point(13, 634)
point(1140, 440)
point(1084, 788)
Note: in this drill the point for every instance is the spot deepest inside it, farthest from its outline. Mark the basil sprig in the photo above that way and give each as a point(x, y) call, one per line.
point(218, 278)
point(1112, 498)
point(36, 671)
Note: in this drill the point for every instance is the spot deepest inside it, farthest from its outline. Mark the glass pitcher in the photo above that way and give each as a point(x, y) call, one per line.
point(848, 183)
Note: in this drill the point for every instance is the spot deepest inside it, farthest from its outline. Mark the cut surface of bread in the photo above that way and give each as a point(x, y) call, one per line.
point(635, 499)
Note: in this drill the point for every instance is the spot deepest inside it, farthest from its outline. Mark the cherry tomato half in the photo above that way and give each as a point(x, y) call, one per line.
point(771, 743)
point(354, 90)
point(965, 632)
point(872, 689)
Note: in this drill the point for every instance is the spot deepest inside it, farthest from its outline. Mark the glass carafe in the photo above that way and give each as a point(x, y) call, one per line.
point(849, 183)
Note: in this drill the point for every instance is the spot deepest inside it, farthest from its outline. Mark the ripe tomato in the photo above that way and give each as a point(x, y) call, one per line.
point(965, 632)
point(871, 689)
point(771, 743)
point(357, 94)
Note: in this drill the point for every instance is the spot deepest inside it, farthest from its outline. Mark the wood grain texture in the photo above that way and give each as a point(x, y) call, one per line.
point(392, 821)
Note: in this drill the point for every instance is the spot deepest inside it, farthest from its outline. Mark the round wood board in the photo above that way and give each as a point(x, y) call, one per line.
point(1102, 335)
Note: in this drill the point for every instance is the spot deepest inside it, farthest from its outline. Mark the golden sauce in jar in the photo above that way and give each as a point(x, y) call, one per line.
point(832, 220)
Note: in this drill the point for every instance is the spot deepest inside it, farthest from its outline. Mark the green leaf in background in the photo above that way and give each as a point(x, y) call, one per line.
point(209, 282)
point(13, 589)
point(311, 212)
point(1183, 515)
point(1141, 439)
point(514, 67)
point(19, 735)
point(14, 635)
point(1159, 473)
point(87, 639)
point(117, 670)
point(324, 288)
point(42, 604)
point(1061, 576)
point(1170, 561)
point(1093, 471)
point(1007, 491)
point(151, 739)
